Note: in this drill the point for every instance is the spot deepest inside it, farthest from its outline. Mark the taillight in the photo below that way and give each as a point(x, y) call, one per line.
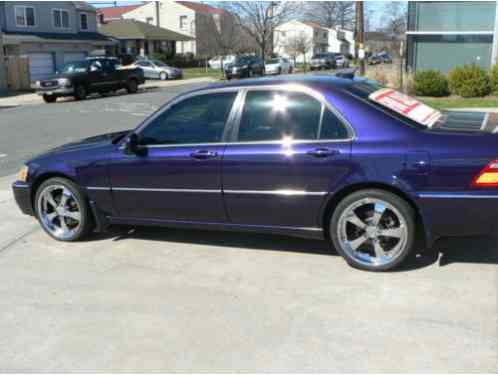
point(488, 176)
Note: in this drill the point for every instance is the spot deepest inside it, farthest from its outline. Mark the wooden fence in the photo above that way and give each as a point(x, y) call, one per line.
point(17, 73)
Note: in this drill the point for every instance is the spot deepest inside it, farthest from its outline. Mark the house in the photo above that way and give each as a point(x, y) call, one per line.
point(50, 33)
point(203, 23)
point(379, 41)
point(138, 38)
point(443, 35)
point(341, 41)
point(309, 34)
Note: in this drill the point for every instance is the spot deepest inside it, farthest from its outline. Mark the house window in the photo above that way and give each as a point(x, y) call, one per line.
point(60, 18)
point(25, 16)
point(84, 21)
point(183, 22)
point(149, 20)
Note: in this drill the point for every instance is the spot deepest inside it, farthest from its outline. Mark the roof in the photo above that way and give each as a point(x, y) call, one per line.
point(117, 12)
point(13, 36)
point(133, 29)
point(313, 24)
point(201, 8)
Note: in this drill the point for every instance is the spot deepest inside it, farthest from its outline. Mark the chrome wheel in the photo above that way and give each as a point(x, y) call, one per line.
point(372, 231)
point(59, 211)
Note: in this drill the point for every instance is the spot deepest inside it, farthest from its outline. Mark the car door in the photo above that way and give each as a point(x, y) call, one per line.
point(178, 174)
point(109, 75)
point(290, 149)
point(148, 68)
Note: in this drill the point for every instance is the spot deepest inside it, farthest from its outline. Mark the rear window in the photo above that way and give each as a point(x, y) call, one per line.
point(401, 105)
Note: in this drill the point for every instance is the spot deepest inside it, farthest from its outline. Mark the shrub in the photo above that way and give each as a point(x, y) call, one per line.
point(469, 81)
point(430, 83)
point(494, 79)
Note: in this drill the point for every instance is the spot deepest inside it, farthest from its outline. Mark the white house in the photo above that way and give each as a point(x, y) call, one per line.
point(197, 20)
point(316, 36)
point(341, 41)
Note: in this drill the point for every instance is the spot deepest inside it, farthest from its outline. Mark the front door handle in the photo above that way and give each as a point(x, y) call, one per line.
point(323, 152)
point(203, 154)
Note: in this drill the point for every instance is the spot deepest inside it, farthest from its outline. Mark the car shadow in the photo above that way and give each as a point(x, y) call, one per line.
point(96, 96)
point(445, 251)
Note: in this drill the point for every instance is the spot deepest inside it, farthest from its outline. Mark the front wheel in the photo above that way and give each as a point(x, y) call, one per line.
point(373, 230)
point(163, 76)
point(62, 210)
point(132, 87)
point(49, 98)
point(80, 92)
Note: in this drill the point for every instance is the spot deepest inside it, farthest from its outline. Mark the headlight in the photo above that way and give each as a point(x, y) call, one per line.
point(23, 173)
point(64, 82)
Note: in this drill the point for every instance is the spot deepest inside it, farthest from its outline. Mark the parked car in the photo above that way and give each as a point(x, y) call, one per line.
point(324, 60)
point(215, 62)
point(309, 156)
point(95, 75)
point(155, 69)
point(341, 61)
point(245, 66)
point(279, 65)
point(380, 58)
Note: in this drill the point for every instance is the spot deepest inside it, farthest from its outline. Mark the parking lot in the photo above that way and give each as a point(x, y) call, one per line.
point(155, 299)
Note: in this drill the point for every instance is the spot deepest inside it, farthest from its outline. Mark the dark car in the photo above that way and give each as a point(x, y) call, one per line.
point(326, 60)
point(96, 75)
point(380, 58)
point(311, 156)
point(245, 66)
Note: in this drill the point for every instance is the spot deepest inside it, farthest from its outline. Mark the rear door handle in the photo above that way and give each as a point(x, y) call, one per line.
point(323, 152)
point(203, 154)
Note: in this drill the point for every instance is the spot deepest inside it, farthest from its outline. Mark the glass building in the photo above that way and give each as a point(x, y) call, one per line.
point(443, 35)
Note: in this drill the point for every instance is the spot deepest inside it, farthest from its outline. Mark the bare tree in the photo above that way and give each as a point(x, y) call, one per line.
point(297, 45)
point(395, 16)
point(332, 14)
point(260, 18)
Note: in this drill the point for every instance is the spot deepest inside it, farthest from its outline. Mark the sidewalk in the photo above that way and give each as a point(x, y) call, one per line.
point(30, 98)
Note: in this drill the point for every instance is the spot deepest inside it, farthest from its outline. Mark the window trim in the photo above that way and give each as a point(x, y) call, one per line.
point(232, 124)
point(81, 23)
point(24, 7)
point(52, 12)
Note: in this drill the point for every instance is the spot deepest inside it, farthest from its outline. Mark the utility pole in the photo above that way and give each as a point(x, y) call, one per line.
point(158, 21)
point(360, 35)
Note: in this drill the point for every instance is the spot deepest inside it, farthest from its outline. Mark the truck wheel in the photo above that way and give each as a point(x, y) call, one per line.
point(49, 98)
point(80, 92)
point(132, 86)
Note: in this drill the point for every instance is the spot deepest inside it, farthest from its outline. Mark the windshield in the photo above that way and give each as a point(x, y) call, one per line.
point(404, 106)
point(273, 61)
point(75, 67)
point(243, 60)
point(159, 63)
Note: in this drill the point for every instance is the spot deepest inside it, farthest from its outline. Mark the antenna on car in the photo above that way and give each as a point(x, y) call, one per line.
point(347, 74)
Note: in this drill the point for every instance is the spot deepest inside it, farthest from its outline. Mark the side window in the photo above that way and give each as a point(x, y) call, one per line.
point(200, 119)
point(332, 127)
point(275, 115)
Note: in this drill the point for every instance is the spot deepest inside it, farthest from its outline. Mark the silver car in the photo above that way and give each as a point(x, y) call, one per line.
point(155, 69)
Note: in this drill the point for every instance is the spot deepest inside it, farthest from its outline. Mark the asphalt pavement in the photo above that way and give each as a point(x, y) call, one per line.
point(169, 300)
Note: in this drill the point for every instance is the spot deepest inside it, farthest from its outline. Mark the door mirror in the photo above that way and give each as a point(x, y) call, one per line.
point(132, 146)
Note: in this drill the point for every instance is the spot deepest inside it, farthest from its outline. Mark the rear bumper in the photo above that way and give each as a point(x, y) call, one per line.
point(22, 195)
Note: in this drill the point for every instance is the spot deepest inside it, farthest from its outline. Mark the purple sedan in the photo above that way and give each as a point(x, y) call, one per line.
point(340, 159)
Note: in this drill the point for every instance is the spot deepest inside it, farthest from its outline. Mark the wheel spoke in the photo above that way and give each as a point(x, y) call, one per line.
point(392, 232)
point(63, 224)
point(355, 244)
point(75, 215)
point(356, 221)
point(51, 216)
point(50, 199)
point(66, 194)
point(379, 251)
point(379, 210)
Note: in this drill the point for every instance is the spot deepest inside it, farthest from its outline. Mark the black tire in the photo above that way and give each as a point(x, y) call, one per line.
point(403, 208)
point(132, 86)
point(80, 92)
point(87, 221)
point(49, 98)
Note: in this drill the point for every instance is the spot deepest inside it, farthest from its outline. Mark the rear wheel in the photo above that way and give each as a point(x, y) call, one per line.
point(373, 229)
point(49, 98)
point(132, 87)
point(80, 92)
point(163, 76)
point(62, 210)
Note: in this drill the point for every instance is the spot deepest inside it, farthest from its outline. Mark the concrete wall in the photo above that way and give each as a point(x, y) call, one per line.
point(44, 17)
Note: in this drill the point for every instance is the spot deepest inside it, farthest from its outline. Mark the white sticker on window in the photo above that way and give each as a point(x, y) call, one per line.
point(406, 106)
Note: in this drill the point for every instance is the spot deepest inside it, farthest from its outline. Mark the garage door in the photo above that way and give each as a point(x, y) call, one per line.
point(74, 56)
point(41, 65)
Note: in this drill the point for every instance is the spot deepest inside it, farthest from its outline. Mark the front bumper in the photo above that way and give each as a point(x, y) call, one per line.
point(22, 195)
point(62, 91)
